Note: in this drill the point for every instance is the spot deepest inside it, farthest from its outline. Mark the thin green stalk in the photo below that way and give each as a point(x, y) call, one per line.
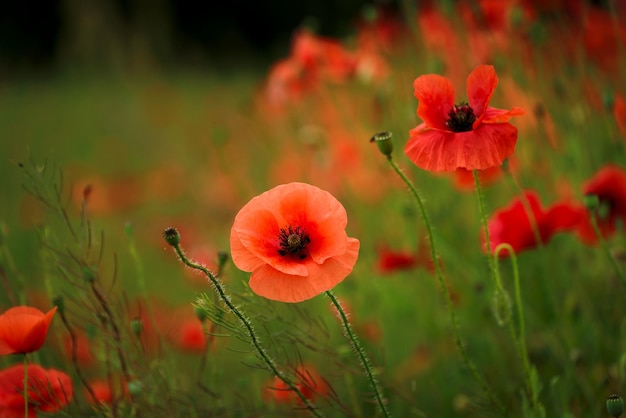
point(433, 253)
point(607, 250)
point(25, 387)
point(219, 288)
point(361, 353)
point(520, 338)
point(483, 218)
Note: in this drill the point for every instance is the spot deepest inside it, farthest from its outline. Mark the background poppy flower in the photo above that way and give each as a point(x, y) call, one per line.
point(609, 185)
point(48, 391)
point(308, 382)
point(292, 239)
point(465, 135)
point(512, 224)
point(23, 329)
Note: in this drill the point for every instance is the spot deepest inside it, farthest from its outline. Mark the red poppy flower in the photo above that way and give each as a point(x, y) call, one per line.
point(23, 329)
point(48, 391)
point(512, 224)
point(390, 261)
point(308, 382)
point(609, 185)
point(104, 393)
point(465, 135)
point(292, 239)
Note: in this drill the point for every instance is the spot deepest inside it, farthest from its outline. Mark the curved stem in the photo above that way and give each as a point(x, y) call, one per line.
point(433, 253)
point(361, 353)
point(520, 338)
point(219, 288)
point(483, 218)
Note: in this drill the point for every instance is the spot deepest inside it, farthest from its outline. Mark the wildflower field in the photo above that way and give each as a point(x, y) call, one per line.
point(424, 218)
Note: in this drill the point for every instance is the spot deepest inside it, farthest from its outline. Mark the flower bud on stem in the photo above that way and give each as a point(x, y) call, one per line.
point(172, 237)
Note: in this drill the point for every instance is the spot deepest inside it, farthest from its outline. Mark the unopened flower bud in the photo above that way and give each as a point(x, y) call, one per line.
point(615, 405)
point(59, 302)
point(136, 326)
point(502, 307)
point(383, 140)
point(89, 274)
point(171, 235)
point(222, 259)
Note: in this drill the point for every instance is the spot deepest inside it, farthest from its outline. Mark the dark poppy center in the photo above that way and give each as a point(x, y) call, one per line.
point(293, 242)
point(461, 118)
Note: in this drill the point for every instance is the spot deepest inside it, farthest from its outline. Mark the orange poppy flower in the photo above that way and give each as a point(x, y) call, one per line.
point(23, 329)
point(465, 135)
point(48, 391)
point(292, 239)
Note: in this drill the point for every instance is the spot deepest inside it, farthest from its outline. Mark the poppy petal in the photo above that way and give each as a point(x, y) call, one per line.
point(258, 230)
point(436, 97)
point(276, 285)
point(35, 338)
point(321, 216)
point(493, 115)
point(480, 86)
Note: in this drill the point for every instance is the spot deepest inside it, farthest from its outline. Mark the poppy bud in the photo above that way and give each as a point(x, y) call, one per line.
point(501, 307)
point(383, 140)
point(136, 326)
point(201, 313)
point(171, 235)
point(135, 387)
point(615, 405)
point(59, 302)
point(222, 259)
point(89, 274)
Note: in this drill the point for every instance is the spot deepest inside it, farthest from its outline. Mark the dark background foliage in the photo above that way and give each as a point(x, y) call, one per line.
point(38, 35)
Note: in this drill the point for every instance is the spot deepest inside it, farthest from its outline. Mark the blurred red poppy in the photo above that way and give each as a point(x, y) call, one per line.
point(609, 185)
point(23, 329)
point(390, 261)
point(465, 135)
point(308, 382)
point(48, 391)
point(513, 226)
point(292, 239)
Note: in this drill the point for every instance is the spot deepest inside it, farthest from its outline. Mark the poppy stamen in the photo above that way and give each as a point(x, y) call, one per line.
point(461, 118)
point(293, 241)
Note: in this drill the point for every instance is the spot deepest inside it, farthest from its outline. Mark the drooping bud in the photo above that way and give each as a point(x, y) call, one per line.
point(222, 259)
point(136, 326)
point(615, 405)
point(384, 142)
point(502, 307)
point(59, 302)
point(171, 235)
point(89, 274)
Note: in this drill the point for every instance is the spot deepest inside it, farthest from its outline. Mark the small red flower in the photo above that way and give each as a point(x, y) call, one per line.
point(609, 185)
point(23, 329)
point(292, 239)
point(390, 261)
point(308, 382)
point(512, 224)
point(48, 391)
point(465, 135)
point(105, 391)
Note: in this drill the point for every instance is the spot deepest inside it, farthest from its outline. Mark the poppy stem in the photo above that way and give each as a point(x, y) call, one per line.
point(367, 365)
point(254, 339)
point(520, 338)
point(25, 387)
point(455, 326)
